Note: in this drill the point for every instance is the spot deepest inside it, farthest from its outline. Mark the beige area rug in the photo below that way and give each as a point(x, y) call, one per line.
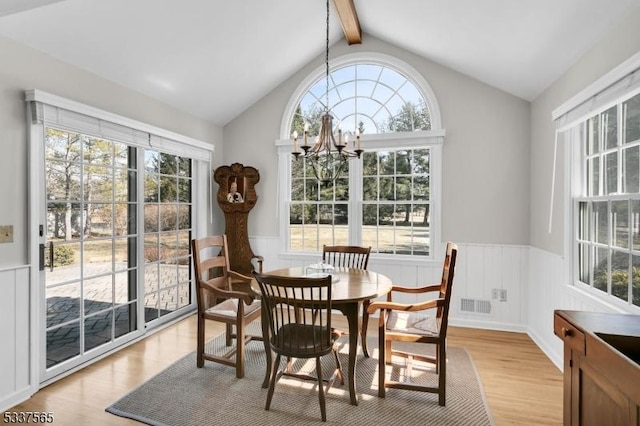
point(186, 395)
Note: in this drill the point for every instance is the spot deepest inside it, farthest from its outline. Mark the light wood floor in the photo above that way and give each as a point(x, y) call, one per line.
point(523, 387)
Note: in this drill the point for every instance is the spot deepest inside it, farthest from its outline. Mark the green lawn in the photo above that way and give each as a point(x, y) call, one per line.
point(382, 239)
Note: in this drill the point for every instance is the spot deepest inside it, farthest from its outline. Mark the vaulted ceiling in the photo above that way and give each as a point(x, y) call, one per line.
point(215, 58)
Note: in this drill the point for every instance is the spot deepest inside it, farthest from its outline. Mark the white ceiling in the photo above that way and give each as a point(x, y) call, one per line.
point(215, 58)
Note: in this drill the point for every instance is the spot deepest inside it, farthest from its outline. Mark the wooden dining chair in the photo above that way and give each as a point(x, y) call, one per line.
point(290, 304)
point(400, 322)
point(219, 301)
point(346, 256)
point(351, 257)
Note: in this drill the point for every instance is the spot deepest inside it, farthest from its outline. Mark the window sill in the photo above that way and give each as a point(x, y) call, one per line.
point(595, 299)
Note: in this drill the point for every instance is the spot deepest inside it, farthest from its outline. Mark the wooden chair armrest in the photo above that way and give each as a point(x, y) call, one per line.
point(402, 289)
point(234, 274)
point(429, 304)
point(428, 288)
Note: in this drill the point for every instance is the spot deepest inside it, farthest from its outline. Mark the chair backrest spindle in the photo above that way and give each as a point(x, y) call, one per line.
point(346, 256)
point(291, 303)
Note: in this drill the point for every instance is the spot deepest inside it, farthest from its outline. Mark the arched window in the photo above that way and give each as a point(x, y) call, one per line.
point(371, 97)
point(389, 199)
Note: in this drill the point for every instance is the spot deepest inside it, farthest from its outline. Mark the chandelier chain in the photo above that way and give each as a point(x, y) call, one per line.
point(326, 61)
point(326, 157)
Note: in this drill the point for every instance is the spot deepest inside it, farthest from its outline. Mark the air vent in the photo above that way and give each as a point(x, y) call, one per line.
point(468, 305)
point(483, 306)
point(474, 305)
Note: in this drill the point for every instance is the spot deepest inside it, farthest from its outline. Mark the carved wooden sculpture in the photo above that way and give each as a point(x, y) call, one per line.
point(236, 197)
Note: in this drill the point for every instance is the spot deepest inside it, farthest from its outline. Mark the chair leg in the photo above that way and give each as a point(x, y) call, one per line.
point(228, 334)
point(442, 374)
point(240, 349)
point(387, 346)
point(338, 366)
point(382, 369)
point(363, 328)
point(200, 344)
point(272, 384)
point(323, 407)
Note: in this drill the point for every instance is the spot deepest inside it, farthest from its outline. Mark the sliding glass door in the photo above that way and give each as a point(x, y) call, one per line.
point(167, 233)
point(117, 253)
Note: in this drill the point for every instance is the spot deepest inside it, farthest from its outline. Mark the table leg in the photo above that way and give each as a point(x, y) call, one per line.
point(351, 310)
point(364, 324)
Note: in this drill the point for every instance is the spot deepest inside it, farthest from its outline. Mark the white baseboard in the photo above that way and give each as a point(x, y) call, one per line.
point(552, 354)
point(487, 325)
point(15, 398)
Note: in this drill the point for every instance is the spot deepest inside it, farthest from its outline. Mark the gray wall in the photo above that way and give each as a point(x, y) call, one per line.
point(614, 48)
point(496, 187)
point(24, 68)
point(486, 150)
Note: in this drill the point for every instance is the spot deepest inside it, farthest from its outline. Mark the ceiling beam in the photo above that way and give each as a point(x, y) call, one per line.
point(349, 20)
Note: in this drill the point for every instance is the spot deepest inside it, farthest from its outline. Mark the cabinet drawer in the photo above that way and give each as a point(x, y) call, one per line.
point(572, 337)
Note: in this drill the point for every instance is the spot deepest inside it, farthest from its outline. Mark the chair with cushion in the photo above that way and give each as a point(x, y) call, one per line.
point(290, 304)
point(219, 301)
point(351, 257)
point(419, 322)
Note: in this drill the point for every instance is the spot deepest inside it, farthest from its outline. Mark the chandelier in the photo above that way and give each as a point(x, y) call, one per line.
point(326, 157)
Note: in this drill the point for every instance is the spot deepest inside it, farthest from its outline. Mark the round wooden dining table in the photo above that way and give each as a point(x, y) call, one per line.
point(350, 288)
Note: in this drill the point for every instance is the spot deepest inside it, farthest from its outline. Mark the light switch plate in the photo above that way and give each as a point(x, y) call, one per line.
point(6, 234)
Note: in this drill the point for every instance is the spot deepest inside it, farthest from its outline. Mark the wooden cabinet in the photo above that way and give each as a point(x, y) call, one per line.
point(601, 367)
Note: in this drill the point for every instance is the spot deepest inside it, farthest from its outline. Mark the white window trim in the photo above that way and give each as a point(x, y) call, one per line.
point(573, 187)
point(359, 58)
point(608, 90)
point(618, 84)
point(89, 111)
point(201, 190)
point(432, 139)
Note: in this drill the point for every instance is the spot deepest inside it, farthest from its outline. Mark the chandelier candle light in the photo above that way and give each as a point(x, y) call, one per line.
point(326, 157)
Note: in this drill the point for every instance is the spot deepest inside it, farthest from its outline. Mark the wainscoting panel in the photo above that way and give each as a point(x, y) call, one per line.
point(545, 293)
point(489, 285)
point(549, 288)
point(14, 335)
point(484, 272)
point(268, 248)
point(501, 287)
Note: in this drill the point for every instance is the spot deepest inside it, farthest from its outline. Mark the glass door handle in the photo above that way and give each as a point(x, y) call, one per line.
point(42, 265)
point(42, 256)
point(51, 255)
